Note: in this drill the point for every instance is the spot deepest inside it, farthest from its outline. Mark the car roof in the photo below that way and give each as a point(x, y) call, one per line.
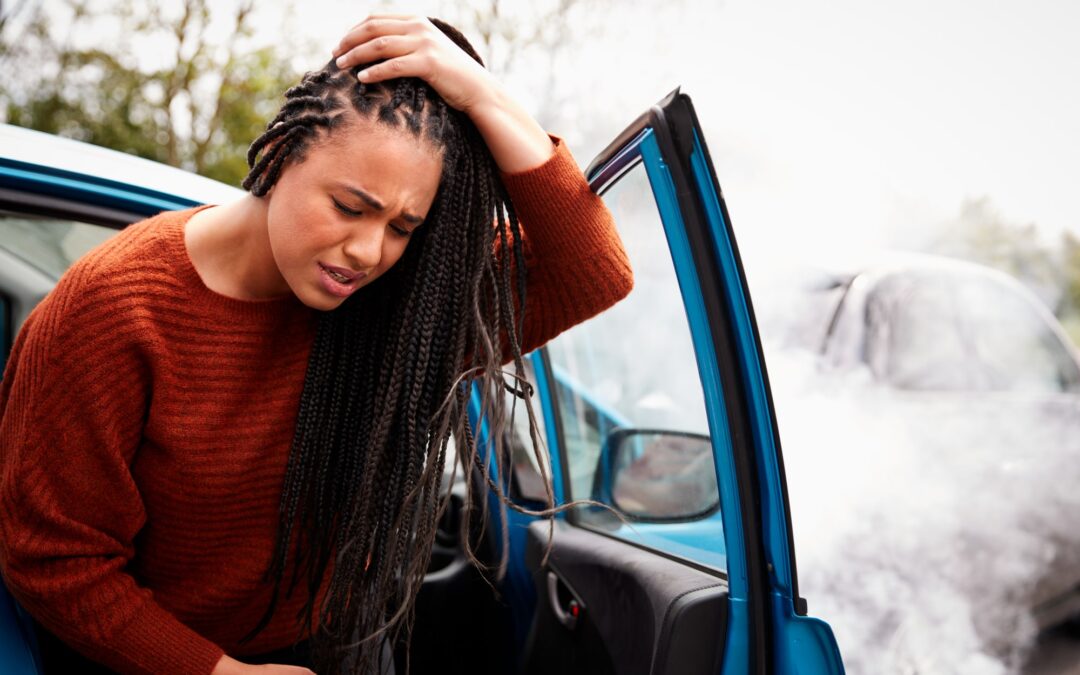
point(891, 263)
point(56, 152)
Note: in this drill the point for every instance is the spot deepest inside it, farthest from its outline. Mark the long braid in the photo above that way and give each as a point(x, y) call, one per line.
point(387, 381)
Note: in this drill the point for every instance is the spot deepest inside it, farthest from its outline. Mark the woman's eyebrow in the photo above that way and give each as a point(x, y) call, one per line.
point(378, 206)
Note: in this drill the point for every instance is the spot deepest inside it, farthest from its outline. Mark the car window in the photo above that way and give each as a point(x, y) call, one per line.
point(528, 483)
point(634, 430)
point(49, 244)
point(930, 331)
point(521, 467)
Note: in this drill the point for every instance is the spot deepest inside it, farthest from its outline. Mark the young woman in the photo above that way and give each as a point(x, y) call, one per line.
point(223, 433)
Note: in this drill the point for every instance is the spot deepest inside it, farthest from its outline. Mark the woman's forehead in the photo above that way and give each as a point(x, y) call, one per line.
point(392, 166)
point(371, 143)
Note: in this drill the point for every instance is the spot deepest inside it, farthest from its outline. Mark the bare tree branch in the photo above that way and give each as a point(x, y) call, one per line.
point(243, 12)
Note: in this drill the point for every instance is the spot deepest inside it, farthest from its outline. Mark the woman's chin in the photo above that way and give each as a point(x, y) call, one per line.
point(321, 301)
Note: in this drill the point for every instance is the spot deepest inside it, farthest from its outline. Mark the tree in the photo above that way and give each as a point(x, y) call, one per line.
point(178, 88)
point(1068, 309)
point(198, 108)
point(982, 235)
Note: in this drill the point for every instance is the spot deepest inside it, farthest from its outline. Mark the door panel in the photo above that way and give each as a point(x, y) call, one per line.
point(638, 612)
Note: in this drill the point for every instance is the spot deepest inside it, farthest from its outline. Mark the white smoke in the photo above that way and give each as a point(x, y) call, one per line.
point(924, 528)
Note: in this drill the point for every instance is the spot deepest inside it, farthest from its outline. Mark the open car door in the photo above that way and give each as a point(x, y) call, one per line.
point(659, 411)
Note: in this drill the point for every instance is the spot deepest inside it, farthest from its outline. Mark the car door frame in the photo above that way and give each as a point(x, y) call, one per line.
point(768, 630)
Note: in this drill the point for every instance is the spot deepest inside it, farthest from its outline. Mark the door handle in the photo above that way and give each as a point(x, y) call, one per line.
point(567, 612)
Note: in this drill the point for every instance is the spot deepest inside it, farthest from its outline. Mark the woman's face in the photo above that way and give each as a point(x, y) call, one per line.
point(342, 217)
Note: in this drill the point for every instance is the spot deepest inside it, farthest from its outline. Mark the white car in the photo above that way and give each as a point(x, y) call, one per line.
point(931, 415)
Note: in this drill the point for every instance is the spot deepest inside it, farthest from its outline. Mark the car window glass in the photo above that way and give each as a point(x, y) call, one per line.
point(634, 429)
point(931, 331)
point(49, 244)
point(525, 468)
point(519, 463)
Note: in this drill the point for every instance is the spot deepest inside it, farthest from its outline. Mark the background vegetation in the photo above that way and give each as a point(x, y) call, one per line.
point(197, 108)
point(190, 84)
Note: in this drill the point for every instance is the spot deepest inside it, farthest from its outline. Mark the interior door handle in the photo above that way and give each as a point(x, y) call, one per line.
point(566, 611)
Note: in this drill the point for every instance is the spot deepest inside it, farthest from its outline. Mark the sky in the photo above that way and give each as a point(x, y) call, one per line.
point(839, 126)
point(872, 122)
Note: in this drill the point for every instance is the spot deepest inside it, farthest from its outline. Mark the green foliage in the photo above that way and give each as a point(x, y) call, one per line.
point(108, 108)
point(199, 109)
point(1069, 307)
point(248, 99)
point(1051, 269)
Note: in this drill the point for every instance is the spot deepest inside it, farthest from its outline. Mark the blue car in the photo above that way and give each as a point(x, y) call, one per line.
point(658, 409)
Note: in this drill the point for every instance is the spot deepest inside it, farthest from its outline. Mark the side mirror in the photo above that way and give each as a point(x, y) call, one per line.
point(659, 475)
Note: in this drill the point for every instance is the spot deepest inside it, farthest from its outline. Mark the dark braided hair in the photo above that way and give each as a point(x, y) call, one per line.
point(389, 374)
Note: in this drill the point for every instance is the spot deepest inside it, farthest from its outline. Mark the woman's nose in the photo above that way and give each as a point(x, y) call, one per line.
point(363, 250)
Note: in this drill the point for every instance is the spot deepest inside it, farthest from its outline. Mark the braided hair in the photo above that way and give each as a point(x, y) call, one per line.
point(390, 369)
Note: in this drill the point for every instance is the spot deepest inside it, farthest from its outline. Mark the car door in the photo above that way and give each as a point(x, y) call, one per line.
point(658, 411)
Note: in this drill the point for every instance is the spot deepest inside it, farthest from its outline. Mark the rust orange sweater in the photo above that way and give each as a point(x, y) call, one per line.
point(145, 423)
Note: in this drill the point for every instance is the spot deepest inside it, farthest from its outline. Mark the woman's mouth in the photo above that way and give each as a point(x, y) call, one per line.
point(338, 281)
point(338, 277)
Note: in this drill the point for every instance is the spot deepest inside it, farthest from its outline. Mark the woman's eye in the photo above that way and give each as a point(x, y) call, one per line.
point(399, 231)
point(344, 209)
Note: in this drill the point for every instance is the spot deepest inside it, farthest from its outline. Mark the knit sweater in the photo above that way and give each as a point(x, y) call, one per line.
point(146, 420)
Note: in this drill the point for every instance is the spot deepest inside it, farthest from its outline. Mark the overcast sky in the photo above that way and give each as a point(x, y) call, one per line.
point(872, 121)
point(834, 125)
point(844, 124)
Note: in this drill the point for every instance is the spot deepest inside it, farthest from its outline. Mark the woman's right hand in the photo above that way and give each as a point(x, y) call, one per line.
point(230, 666)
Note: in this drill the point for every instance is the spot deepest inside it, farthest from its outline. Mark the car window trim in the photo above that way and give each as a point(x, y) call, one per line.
point(57, 192)
point(57, 207)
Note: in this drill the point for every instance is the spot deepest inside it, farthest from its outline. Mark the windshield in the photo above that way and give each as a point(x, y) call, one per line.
point(937, 330)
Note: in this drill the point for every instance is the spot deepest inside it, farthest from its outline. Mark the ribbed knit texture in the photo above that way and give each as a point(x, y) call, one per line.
point(146, 420)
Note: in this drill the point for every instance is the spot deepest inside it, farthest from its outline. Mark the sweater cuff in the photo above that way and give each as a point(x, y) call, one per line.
point(155, 641)
point(563, 218)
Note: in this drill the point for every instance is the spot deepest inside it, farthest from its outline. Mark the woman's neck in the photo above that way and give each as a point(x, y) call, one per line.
point(230, 249)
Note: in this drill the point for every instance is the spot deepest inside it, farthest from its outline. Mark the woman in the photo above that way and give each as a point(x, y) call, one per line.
point(224, 403)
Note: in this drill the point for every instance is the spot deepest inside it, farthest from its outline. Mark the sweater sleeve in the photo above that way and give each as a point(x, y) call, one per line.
point(72, 405)
point(576, 266)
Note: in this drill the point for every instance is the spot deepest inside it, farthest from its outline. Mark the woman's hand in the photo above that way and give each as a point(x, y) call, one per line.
point(412, 46)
